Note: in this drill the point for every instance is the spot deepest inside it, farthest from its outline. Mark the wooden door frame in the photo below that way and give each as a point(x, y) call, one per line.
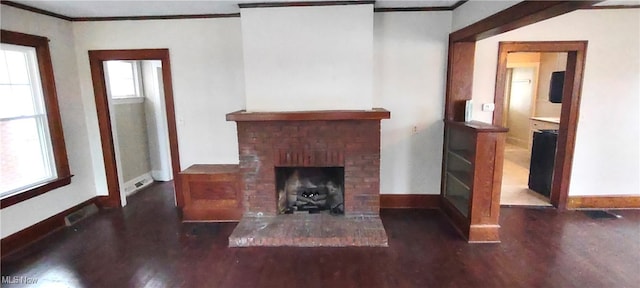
point(462, 45)
point(460, 66)
point(96, 59)
point(576, 56)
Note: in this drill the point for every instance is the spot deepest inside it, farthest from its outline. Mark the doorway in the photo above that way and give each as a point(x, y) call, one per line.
point(541, 145)
point(529, 111)
point(137, 110)
point(155, 64)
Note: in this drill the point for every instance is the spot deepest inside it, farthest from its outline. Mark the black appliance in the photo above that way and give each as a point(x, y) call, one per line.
point(543, 154)
point(555, 87)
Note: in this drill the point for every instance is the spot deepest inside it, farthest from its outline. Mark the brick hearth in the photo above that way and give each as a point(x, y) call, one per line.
point(349, 139)
point(310, 230)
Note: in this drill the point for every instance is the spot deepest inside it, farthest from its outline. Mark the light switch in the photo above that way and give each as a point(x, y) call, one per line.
point(488, 107)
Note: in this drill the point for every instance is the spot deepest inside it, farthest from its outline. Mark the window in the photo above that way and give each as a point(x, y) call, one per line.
point(27, 155)
point(33, 159)
point(122, 79)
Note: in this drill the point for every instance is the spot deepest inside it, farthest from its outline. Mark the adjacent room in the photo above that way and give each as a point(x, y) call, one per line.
point(312, 143)
point(532, 113)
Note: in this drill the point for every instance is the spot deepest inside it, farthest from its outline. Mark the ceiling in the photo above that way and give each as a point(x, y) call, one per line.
point(115, 8)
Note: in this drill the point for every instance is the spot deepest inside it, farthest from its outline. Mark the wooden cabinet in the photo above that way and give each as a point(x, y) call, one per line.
point(211, 193)
point(471, 179)
point(459, 170)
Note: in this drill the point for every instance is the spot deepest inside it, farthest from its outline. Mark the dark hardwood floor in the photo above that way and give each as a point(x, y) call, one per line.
point(146, 245)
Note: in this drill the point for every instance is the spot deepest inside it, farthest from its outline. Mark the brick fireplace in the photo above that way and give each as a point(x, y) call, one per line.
point(348, 140)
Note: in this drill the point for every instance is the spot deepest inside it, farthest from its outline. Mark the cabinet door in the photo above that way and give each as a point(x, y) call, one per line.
point(214, 197)
point(543, 156)
point(458, 176)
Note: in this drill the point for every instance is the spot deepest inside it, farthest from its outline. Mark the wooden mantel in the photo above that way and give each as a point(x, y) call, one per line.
point(323, 115)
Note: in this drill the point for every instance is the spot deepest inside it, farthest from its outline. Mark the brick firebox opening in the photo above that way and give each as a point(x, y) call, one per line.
point(346, 139)
point(310, 190)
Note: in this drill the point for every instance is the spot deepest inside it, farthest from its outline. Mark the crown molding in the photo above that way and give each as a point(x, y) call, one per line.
point(35, 10)
point(301, 4)
point(612, 7)
point(156, 17)
point(264, 5)
point(115, 18)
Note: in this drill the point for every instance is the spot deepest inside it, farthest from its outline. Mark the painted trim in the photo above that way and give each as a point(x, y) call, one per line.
point(130, 186)
point(604, 202)
point(128, 100)
point(409, 201)
point(24, 237)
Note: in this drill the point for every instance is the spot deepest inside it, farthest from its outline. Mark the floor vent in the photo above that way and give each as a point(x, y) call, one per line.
point(601, 214)
point(83, 213)
point(134, 185)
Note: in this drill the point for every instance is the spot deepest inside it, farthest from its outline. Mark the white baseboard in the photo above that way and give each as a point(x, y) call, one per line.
point(160, 175)
point(142, 181)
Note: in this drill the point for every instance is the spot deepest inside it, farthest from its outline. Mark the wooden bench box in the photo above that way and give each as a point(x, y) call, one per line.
point(211, 193)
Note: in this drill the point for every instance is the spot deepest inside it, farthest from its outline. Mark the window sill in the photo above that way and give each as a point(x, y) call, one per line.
point(35, 191)
point(128, 100)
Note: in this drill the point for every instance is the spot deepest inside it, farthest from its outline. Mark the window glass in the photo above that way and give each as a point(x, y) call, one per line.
point(26, 154)
point(122, 78)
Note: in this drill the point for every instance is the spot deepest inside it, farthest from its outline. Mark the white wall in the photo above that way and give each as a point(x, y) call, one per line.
point(206, 68)
point(607, 157)
point(549, 63)
point(410, 53)
point(130, 126)
point(520, 104)
point(308, 58)
point(473, 11)
point(157, 128)
point(63, 57)
point(410, 64)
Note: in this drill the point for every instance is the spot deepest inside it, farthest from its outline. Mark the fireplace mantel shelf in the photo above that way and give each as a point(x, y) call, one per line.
point(373, 114)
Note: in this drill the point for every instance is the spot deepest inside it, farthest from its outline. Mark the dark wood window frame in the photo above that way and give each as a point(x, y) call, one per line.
point(41, 44)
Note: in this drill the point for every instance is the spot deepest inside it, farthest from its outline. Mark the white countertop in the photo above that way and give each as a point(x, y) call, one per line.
point(547, 119)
